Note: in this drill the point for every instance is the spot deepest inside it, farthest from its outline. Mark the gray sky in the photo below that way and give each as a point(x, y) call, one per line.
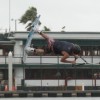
point(76, 15)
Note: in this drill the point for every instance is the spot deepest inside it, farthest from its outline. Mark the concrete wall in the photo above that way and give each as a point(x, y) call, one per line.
point(61, 82)
point(18, 48)
point(44, 82)
point(19, 75)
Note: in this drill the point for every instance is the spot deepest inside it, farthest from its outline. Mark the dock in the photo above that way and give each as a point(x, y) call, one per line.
point(4, 94)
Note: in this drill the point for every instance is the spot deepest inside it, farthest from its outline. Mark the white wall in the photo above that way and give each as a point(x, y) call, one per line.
point(83, 82)
point(45, 82)
point(18, 48)
point(61, 82)
point(19, 75)
point(79, 82)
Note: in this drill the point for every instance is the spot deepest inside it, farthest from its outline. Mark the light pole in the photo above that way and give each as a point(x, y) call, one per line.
point(4, 30)
point(15, 25)
point(15, 21)
point(9, 16)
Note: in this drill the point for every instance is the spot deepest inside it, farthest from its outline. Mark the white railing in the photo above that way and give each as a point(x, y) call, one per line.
point(47, 60)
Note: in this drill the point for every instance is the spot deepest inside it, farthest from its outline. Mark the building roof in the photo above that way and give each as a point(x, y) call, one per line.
point(59, 35)
point(81, 38)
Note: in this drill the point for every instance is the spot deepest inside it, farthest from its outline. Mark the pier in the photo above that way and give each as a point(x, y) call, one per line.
point(50, 94)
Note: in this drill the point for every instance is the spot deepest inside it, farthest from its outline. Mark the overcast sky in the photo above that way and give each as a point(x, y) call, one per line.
point(76, 15)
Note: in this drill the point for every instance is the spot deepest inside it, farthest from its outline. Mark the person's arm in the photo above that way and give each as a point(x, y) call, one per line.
point(65, 56)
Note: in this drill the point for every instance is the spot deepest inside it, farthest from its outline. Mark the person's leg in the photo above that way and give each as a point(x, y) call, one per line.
point(28, 49)
point(31, 50)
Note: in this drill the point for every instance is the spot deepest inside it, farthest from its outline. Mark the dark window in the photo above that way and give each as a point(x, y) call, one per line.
point(61, 73)
point(90, 50)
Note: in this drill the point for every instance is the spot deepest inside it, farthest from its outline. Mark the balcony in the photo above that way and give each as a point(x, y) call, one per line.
point(95, 60)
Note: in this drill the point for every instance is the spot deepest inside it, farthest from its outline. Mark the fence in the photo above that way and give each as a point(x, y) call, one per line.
point(47, 59)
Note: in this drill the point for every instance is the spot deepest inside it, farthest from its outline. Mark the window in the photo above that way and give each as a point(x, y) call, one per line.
point(62, 73)
point(3, 74)
point(90, 50)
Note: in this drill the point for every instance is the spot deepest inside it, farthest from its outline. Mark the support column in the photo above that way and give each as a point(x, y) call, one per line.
point(10, 69)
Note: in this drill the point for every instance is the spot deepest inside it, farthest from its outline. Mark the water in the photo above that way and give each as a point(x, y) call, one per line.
point(56, 98)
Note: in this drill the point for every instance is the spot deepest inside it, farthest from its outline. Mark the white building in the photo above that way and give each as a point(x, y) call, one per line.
point(47, 70)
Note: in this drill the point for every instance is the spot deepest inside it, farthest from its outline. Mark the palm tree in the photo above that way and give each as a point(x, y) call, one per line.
point(29, 16)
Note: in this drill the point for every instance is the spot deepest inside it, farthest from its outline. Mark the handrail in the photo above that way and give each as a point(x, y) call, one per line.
point(47, 59)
